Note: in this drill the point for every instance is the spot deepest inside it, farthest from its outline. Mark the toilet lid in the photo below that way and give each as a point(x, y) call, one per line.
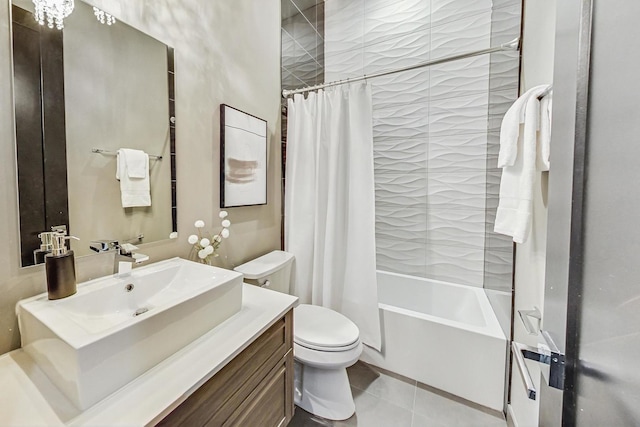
point(321, 328)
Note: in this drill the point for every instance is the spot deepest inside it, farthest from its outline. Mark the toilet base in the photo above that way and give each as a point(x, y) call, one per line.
point(324, 392)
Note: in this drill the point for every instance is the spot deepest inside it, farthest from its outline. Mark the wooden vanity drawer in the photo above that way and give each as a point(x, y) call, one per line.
point(268, 405)
point(220, 397)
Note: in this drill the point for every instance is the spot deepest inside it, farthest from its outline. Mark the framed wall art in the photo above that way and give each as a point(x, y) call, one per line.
point(243, 158)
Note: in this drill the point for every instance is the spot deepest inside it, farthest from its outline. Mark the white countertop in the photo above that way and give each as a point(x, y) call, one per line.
point(28, 398)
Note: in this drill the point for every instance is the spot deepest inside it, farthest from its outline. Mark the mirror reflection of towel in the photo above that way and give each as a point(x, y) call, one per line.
point(132, 170)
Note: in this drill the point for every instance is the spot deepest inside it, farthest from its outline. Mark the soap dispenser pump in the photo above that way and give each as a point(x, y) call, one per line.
point(60, 267)
point(46, 245)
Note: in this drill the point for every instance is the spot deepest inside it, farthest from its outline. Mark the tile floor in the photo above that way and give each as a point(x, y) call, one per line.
point(385, 399)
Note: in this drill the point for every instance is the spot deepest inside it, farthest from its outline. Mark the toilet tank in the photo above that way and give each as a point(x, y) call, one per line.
point(272, 271)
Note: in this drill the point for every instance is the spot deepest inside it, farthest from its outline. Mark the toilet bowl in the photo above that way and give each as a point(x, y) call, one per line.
point(325, 344)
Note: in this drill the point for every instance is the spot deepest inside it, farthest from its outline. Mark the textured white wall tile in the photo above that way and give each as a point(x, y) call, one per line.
point(343, 25)
point(288, 50)
point(455, 264)
point(456, 227)
point(457, 152)
point(306, 69)
point(407, 121)
point(291, 81)
point(298, 26)
point(343, 64)
point(443, 11)
point(501, 283)
point(505, 71)
point(404, 256)
point(398, 222)
point(400, 155)
point(490, 217)
point(493, 148)
point(407, 87)
point(398, 52)
point(499, 103)
point(456, 190)
point(467, 114)
point(505, 24)
point(401, 189)
point(461, 36)
point(498, 242)
point(460, 78)
point(505, 3)
point(390, 18)
point(309, 42)
point(493, 188)
point(498, 269)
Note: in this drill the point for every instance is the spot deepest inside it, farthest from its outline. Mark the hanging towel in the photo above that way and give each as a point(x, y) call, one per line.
point(524, 151)
point(132, 170)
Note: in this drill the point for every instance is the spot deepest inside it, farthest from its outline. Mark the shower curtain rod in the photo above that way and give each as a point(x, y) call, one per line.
point(512, 45)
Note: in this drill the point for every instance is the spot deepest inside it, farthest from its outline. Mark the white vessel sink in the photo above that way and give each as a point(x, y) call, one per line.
point(107, 334)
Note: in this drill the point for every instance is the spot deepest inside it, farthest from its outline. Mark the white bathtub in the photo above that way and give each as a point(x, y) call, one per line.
point(443, 335)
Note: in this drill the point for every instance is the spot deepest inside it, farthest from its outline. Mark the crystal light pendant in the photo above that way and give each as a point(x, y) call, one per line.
point(103, 17)
point(53, 11)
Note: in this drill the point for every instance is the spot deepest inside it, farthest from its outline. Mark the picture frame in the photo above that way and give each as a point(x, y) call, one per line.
point(243, 158)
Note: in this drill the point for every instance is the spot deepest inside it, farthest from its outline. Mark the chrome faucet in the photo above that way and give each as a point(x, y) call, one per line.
point(125, 255)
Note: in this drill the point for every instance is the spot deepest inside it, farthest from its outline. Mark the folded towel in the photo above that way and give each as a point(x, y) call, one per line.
point(132, 170)
point(510, 130)
point(524, 151)
point(137, 162)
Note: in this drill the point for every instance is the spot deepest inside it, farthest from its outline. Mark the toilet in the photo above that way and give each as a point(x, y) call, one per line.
point(326, 343)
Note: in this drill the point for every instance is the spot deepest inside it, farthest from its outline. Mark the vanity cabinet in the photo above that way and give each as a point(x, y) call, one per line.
point(253, 389)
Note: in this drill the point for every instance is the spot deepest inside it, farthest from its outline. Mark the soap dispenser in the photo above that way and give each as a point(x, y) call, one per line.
point(60, 267)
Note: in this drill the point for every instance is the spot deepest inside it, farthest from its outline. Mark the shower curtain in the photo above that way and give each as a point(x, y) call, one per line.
point(329, 204)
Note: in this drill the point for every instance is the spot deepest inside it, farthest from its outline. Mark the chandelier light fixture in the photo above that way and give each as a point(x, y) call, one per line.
point(53, 12)
point(103, 17)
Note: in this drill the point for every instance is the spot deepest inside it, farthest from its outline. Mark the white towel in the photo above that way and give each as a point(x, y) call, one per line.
point(132, 170)
point(524, 151)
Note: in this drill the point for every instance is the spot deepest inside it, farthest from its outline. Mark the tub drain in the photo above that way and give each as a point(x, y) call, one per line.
point(140, 311)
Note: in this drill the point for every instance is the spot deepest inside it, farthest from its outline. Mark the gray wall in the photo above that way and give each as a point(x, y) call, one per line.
point(226, 52)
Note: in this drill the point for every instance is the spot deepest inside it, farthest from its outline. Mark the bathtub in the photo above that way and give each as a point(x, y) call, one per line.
point(443, 335)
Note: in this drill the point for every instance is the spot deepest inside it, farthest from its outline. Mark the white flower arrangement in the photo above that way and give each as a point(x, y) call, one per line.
point(205, 248)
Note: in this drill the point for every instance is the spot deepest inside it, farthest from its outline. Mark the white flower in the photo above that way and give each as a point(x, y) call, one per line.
point(225, 233)
point(223, 214)
point(173, 235)
point(199, 223)
point(226, 223)
point(218, 239)
point(202, 254)
point(205, 242)
point(192, 239)
point(208, 250)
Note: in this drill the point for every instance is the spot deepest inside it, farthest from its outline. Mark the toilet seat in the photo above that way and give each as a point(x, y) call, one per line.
point(322, 329)
point(327, 359)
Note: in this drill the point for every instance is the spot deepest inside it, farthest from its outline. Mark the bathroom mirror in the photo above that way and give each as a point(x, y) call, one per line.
point(80, 95)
